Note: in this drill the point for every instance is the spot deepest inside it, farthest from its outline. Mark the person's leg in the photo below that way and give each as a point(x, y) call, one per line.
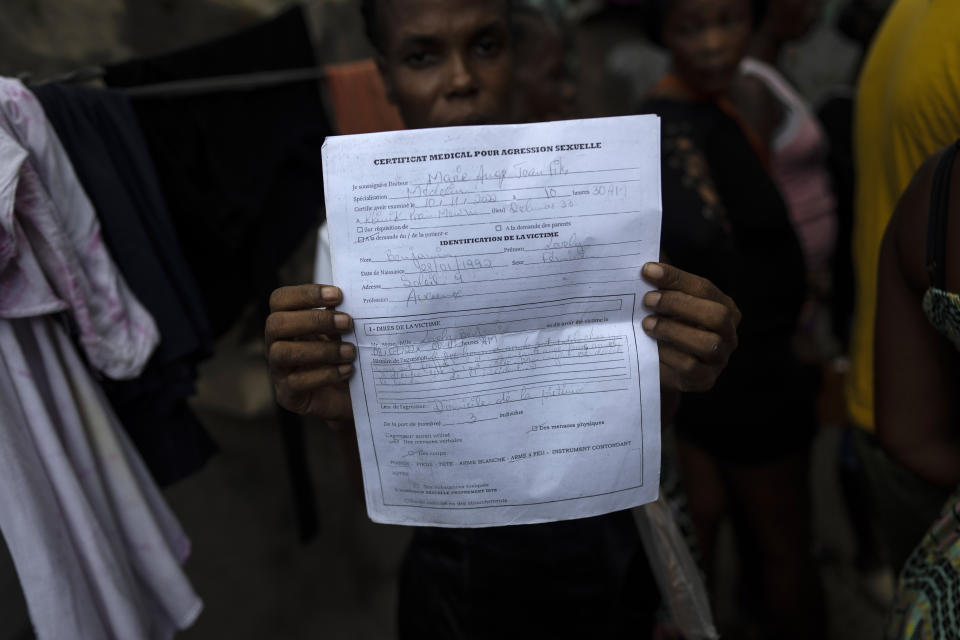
point(870, 559)
point(859, 503)
point(775, 504)
point(706, 499)
point(751, 588)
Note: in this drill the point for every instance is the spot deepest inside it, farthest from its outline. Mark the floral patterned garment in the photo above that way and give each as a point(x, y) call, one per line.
point(927, 604)
point(943, 312)
point(52, 255)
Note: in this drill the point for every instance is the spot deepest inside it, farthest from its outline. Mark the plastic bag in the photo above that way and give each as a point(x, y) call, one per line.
point(675, 571)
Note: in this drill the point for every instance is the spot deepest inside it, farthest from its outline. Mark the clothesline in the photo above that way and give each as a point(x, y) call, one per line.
point(241, 82)
point(357, 95)
point(199, 86)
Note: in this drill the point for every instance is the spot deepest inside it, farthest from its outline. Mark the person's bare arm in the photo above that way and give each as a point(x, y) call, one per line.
point(916, 368)
point(759, 107)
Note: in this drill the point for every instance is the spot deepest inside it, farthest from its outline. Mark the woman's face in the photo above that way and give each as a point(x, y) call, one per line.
point(707, 39)
point(447, 62)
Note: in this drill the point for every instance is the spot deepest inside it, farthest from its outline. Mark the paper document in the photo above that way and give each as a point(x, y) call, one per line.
point(493, 274)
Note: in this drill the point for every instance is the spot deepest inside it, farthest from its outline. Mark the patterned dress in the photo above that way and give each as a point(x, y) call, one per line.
point(927, 605)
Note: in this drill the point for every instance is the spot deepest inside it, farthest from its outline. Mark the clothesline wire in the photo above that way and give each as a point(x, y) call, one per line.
point(200, 86)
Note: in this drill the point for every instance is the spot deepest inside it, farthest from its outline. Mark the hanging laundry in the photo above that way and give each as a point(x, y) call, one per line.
point(240, 170)
point(115, 331)
point(97, 550)
point(100, 133)
point(359, 98)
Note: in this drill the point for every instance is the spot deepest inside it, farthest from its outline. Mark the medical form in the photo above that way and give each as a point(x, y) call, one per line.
point(493, 274)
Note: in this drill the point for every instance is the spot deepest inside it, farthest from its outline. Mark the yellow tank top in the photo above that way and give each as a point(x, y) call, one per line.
point(908, 106)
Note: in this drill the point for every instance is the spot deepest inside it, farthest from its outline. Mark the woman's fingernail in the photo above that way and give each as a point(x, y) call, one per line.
point(653, 270)
point(652, 299)
point(344, 370)
point(348, 351)
point(650, 323)
point(341, 321)
point(330, 294)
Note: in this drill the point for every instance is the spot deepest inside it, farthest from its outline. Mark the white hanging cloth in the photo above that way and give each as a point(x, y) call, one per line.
point(97, 550)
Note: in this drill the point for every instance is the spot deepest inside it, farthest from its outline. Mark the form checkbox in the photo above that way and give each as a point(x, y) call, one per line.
point(359, 229)
point(499, 227)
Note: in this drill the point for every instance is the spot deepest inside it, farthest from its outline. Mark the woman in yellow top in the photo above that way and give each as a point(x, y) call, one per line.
point(908, 106)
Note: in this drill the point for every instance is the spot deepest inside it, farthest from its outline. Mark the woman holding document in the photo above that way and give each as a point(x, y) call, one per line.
point(744, 446)
point(449, 62)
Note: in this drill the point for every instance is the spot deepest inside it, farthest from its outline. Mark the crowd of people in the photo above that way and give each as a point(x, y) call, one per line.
point(747, 309)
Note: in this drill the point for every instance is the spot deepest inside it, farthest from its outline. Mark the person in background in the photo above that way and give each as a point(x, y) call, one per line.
point(797, 146)
point(450, 62)
point(798, 153)
point(545, 70)
point(918, 414)
point(907, 107)
point(744, 446)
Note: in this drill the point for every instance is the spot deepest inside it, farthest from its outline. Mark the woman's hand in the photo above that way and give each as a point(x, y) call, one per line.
point(309, 364)
point(694, 324)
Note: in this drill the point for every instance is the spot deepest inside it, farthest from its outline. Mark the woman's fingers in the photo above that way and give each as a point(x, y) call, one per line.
point(706, 346)
point(296, 313)
point(291, 325)
point(700, 312)
point(290, 355)
point(305, 296)
point(670, 279)
point(310, 380)
point(695, 327)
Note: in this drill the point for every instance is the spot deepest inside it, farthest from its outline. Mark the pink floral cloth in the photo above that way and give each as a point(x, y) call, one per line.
point(24, 290)
point(97, 549)
point(52, 257)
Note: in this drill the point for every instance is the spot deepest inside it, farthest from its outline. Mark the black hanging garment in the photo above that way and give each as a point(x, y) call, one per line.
point(240, 170)
point(100, 134)
point(724, 219)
